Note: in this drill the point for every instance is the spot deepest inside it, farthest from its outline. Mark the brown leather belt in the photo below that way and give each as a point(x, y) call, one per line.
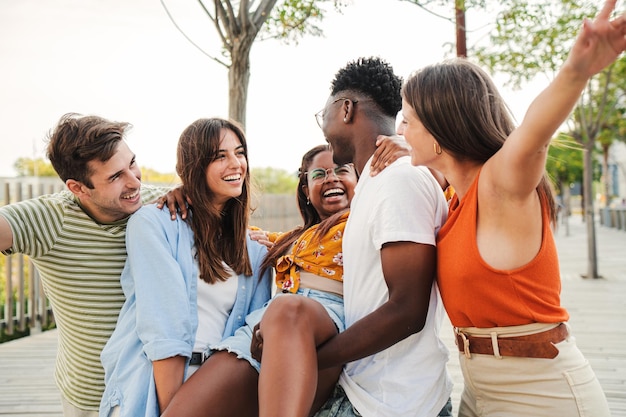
point(538, 345)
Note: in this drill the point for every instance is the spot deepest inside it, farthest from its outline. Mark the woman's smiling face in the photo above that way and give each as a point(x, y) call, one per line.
point(329, 187)
point(416, 135)
point(225, 175)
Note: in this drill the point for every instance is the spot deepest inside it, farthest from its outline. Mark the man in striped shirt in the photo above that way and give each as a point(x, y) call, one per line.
point(76, 238)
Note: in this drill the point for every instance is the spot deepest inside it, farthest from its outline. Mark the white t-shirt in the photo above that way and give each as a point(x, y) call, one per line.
point(402, 203)
point(215, 302)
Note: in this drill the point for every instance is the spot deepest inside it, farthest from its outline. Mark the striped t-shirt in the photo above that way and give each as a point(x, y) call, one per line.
point(80, 263)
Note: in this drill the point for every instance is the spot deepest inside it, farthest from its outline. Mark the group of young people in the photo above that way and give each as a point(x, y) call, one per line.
point(181, 307)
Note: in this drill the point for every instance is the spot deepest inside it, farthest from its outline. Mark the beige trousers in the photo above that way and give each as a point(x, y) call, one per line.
point(511, 386)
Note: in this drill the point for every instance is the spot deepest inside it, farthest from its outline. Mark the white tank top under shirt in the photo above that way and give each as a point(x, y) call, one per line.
point(215, 302)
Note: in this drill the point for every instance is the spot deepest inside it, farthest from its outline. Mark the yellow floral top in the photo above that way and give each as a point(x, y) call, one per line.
point(449, 193)
point(322, 257)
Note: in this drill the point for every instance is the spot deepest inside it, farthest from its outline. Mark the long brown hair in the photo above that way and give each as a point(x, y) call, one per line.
point(458, 103)
point(220, 237)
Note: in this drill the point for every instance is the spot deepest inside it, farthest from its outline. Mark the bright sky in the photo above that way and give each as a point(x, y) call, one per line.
point(124, 60)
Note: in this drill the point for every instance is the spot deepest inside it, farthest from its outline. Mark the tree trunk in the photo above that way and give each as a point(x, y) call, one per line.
point(238, 80)
point(461, 33)
point(592, 264)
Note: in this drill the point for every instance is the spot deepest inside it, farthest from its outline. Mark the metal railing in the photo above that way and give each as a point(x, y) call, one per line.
point(25, 306)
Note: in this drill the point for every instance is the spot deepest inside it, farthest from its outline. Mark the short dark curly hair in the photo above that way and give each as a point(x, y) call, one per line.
point(374, 78)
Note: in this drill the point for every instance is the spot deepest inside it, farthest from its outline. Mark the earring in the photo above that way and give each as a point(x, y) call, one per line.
point(345, 120)
point(308, 201)
point(437, 148)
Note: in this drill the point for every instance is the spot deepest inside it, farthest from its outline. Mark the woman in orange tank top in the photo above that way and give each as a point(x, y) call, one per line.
point(498, 269)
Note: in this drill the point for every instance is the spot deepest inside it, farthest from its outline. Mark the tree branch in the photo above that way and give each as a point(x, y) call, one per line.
point(216, 21)
point(189, 39)
point(245, 22)
point(604, 99)
point(262, 12)
point(415, 2)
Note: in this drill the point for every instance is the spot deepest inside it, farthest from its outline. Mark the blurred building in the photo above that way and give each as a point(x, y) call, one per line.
point(617, 172)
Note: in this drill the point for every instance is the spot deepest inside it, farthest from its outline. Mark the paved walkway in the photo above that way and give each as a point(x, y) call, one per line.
point(597, 308)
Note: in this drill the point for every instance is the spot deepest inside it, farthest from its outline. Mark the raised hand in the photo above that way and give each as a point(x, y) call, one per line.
point(599, 43)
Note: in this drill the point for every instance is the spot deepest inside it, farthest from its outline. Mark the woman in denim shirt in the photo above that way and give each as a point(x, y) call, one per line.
point(202, 269)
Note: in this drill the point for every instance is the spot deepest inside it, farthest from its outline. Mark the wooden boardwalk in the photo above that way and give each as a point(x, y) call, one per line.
point(598, 321)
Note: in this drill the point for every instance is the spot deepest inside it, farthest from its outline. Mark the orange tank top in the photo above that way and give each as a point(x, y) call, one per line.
point(477, 295)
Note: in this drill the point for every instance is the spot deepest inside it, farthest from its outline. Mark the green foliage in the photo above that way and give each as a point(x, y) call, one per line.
point(155, 177)
point(599, 117)
point(565, 161)
point(16, 335)
point(613, 127)
point(274, 181)
point(292, 19)
point(3, 278)
point(532, 37)
point(27, 167)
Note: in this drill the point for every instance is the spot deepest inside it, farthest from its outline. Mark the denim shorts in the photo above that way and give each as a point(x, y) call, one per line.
point(239, 343)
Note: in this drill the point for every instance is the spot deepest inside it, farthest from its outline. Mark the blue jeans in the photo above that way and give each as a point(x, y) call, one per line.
point(338, 405)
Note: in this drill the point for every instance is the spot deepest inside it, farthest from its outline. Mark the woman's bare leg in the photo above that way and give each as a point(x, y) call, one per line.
point(224, 386)
point(327, 380)
point(292, 328)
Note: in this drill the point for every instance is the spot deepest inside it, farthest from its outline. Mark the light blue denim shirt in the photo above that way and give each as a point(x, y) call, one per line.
point(159, 317)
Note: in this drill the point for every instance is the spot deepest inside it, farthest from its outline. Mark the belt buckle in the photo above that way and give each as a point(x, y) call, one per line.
point(198, 358)
point(466, 343)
